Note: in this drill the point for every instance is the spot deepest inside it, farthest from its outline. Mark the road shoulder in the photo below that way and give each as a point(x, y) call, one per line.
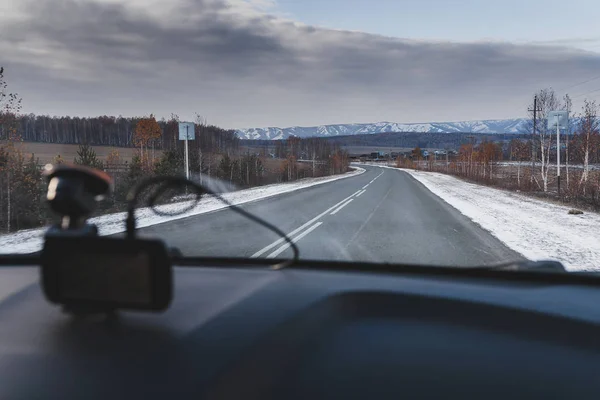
point(537, 229)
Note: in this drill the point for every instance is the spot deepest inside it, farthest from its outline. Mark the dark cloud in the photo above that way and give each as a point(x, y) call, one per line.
point(243, 68)
point(200, 33)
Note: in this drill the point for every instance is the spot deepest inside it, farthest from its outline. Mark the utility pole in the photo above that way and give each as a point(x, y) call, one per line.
point(558, 154)
point(533, 149)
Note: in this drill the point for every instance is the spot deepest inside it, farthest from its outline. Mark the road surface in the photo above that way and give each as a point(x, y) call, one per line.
point(382, 215)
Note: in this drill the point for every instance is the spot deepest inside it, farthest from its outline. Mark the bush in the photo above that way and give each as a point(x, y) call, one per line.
point(87, 156)
point(171, 163)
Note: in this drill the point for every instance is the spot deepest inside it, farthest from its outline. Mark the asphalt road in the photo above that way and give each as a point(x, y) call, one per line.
point(382, 215)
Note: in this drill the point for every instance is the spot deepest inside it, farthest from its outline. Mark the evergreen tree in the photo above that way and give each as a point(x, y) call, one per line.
point(171, 163)
point(225, 168)
point(27, 194)
point(87, 156)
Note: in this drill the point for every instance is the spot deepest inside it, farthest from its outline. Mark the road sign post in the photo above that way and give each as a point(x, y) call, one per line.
point(558, 120)
point(187, 132)
point(187, 157)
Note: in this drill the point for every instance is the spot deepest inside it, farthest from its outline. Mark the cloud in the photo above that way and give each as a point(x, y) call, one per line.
point(240, 66)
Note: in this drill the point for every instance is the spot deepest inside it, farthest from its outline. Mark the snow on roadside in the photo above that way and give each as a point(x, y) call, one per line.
point(534, 228)
point(31, 240)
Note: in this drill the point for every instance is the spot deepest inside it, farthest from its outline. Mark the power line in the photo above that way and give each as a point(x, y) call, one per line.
point(585, 94)
point(580, 83)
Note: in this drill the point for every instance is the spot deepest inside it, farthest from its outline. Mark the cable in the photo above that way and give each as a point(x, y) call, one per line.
point(585, 94)
point(172, 182)
point(580, 83)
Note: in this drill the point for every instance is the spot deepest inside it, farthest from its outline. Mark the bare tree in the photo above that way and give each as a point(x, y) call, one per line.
point(519, 151)
point(546, 101)
point(10, 103)
point(200, 126)
point(588, 128)
point(10, 106)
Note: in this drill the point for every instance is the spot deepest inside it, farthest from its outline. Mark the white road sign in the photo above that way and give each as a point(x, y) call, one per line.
point(187, 131)
point(562, 117)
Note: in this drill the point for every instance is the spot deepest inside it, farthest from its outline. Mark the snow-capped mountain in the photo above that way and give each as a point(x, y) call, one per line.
point(485, 126)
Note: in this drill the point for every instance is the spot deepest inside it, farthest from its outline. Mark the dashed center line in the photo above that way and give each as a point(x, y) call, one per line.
point(374, 179)
point(342, 206)
point(377, 177)
point(297, 238)
point(308, 226)
point(297, 230)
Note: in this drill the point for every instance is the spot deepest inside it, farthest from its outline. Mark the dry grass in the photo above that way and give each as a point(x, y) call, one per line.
point(584, 195)
point(47, 151)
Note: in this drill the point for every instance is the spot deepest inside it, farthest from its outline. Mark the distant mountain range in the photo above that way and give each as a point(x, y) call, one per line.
point(486, 126)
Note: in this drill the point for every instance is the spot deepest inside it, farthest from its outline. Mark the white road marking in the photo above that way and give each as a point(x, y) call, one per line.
point(374, 179)
point(337, 207)
point(342, 206)
point(361, 193)
point(279, 241)
point(295, 240)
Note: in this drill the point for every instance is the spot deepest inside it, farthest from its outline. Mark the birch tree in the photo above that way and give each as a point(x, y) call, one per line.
point(546, 101)
point(10, 103)
point(10, 106)
point(520, 151)
point(588, 128)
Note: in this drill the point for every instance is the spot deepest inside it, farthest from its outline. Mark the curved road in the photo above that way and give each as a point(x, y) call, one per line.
point(382, 215)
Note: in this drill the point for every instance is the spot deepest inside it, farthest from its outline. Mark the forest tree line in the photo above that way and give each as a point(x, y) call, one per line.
point(215, 153)
point(112, 131)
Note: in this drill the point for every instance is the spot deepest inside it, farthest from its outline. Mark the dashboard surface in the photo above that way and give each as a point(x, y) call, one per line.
point(257, 333)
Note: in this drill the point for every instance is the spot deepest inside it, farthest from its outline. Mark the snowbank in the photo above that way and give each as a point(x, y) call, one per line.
point(536, 229)
point(29, 241)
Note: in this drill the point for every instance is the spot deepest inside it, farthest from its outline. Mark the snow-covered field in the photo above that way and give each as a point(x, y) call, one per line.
point(536, 229)
point(29, 241)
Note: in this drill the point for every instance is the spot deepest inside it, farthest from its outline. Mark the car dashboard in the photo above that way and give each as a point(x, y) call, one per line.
point(251, 332)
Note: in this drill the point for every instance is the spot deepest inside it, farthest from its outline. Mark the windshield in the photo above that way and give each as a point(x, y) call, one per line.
point(489, 153)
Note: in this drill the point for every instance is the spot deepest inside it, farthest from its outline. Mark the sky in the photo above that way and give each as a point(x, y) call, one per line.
point(517, 21)
point(259, 63)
